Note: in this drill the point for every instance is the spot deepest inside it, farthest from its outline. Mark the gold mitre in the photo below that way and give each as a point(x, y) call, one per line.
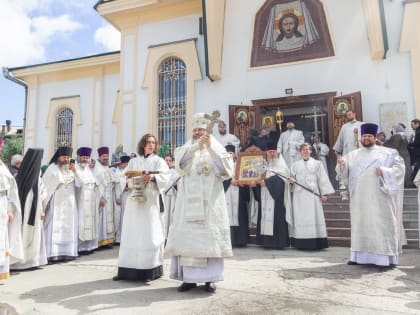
point(201, 120)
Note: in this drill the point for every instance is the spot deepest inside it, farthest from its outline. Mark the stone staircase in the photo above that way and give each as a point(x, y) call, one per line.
point(337, 217)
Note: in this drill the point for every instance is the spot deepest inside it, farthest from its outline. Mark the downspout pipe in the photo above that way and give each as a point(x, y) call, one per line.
point(9, 76)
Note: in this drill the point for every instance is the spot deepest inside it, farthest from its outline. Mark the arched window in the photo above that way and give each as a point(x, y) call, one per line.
point(63, 128)
point(172, 103)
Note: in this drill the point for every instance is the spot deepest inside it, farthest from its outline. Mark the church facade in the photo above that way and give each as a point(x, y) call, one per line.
point(258, 63)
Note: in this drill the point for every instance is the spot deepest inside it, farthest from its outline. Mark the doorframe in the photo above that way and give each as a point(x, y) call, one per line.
point(292, 100)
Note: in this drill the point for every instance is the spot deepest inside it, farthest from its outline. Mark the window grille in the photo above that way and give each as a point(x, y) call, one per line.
point(63, 128)
point(172, 103)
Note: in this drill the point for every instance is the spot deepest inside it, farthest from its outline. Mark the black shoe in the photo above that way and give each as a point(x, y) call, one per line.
point(116, 278)
point(351, 263)
point(210, 287)
point(186, 286)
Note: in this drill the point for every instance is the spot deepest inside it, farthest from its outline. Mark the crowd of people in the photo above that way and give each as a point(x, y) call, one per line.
point(193, 209)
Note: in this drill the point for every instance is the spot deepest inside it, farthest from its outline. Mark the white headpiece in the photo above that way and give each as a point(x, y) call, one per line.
point(201, 120)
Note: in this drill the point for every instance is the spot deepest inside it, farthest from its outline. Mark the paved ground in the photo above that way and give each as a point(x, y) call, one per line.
point(257, 281)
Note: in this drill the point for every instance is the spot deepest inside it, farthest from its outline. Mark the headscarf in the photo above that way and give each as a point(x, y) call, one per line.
point(27, 180)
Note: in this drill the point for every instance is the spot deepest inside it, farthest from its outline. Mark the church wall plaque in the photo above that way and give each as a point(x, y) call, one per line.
point(391, 114)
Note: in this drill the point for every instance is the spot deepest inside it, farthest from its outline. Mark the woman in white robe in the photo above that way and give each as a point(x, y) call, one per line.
point(141, 249)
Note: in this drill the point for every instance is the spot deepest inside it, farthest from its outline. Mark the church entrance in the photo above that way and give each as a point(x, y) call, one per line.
point(309, 113)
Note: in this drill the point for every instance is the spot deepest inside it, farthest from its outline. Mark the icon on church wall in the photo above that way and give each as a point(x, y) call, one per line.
point(341, 107)
point(290, 31)
point(242, 117)
point(267, 122)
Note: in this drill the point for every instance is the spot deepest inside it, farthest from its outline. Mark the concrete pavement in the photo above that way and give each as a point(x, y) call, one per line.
point(257, 281)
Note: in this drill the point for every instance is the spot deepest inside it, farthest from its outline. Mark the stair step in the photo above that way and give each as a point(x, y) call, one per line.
point(337, 223)
point(336, 215)
point(338, 232)
point(339, 241)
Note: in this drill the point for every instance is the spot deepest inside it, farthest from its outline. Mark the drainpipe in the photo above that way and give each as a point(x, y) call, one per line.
point(10, 77)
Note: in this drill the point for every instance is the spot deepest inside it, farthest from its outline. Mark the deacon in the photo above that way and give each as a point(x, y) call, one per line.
point(141, 250)
point(199, 237)
point(11, 250)
point(274, 215)
point(237, 199)
point(349, 137)
point(289, 143)
point(87, 202)
point(374, 175)
point(120, 207)
point(61, 220)
point(32, 197)
point(106, 182)
point(309, 230)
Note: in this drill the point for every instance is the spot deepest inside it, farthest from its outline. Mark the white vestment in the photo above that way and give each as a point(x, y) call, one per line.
point(169, 199)
point(346, 140)
point(417, 183)
point(11, 250)
point(142, 238)
point(268, 203)
point(121, 183)
point(289, 145)
point(308, 214)
point(61, 219)
point(375, 227)
point(200, 230)
point(321, 153)
point(228, 138)
point(87, 197)
point(34, 251)
point(106, 223)
point(232, 203)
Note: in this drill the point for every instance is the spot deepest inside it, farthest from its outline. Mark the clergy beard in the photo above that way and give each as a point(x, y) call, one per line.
point(64, 166)
point(222, 132)
point(272, 160)
point(368, 145)
point(83, 165)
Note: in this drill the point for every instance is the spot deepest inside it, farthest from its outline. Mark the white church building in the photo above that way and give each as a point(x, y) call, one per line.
point(257, 62)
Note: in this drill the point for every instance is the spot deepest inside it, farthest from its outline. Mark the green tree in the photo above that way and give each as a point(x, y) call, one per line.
point(11, 146)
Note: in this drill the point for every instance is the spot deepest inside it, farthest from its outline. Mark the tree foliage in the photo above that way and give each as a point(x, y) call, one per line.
point(11, 146)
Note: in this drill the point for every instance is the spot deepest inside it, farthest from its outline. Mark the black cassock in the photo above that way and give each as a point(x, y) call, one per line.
point(280, 237)
point(239, 235)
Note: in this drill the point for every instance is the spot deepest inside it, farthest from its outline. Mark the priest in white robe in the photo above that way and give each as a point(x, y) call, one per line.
point(374, 175)
point(320, 152)
point(140, 257)
point(61, 219)
point(199, 237)
point(309, 230)
point(274, 214)
point(106, 182)
point(11, 250)
point(119, 206)
point(32, 196)
point(226, 138)
point(87, 196)
point(237, 200)
point(349, 136)
point(289, 144)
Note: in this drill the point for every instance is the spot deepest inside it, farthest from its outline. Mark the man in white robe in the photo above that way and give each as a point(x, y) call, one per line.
point(120, 207)
point(11, 250)
point(61, 219)
point(349, 137)
point(226, 138)
point(274, 214)
point(106, 181)
point(309, 230)
point(140, 257)
point(87, 202)
point(32, 196)
point(199, 237)
point(374, 175)
point(320, 152)
point(289, 144)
